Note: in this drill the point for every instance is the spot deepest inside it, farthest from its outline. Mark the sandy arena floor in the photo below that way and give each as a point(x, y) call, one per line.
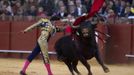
point(13, 66)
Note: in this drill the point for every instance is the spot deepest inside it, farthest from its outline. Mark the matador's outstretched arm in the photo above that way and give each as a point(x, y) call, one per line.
point(31, 27)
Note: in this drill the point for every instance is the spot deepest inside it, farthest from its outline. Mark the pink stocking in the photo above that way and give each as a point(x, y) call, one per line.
point(48, 68)
point(26, 64)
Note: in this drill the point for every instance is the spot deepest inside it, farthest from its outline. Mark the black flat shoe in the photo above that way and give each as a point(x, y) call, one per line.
point(22, 73)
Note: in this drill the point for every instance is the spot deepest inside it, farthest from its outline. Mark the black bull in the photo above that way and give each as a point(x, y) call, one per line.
point(82, 48)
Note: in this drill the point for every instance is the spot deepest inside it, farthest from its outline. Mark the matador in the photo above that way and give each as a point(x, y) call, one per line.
point(47, 30)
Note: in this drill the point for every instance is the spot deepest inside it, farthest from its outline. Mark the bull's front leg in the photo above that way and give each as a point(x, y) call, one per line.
point(69, 65)
point(98, 58)
point(80, 56)
point(85, 63)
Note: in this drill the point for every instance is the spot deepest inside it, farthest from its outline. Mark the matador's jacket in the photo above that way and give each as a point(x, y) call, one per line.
point(47, 29)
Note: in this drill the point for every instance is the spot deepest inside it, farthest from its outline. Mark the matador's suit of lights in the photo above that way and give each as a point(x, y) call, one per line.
point(47, 29)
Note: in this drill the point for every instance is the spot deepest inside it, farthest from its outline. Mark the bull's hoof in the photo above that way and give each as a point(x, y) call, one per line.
point(22, 73)
point(106, 70)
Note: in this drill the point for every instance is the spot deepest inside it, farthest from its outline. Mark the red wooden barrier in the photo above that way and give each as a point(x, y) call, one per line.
point(132, 40)
point(4, 36)
point(118, 44)
point(21, 41)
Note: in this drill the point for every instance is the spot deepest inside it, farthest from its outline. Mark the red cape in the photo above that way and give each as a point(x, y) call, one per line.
point(94, 9)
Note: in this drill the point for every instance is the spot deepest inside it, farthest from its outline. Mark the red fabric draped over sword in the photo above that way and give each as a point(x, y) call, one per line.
point(95, 8)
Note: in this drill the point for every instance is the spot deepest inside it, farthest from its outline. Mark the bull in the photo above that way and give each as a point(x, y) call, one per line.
point(81, 47)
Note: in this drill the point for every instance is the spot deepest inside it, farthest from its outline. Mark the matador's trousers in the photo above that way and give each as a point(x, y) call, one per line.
point(37, 50)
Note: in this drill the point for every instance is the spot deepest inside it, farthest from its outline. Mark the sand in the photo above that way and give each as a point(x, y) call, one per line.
point(10, 66)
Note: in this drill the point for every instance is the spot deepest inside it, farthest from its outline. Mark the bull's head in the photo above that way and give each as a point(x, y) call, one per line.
point(86, 29)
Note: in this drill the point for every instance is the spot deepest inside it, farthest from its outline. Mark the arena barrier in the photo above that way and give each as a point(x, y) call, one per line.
point(118, 48)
